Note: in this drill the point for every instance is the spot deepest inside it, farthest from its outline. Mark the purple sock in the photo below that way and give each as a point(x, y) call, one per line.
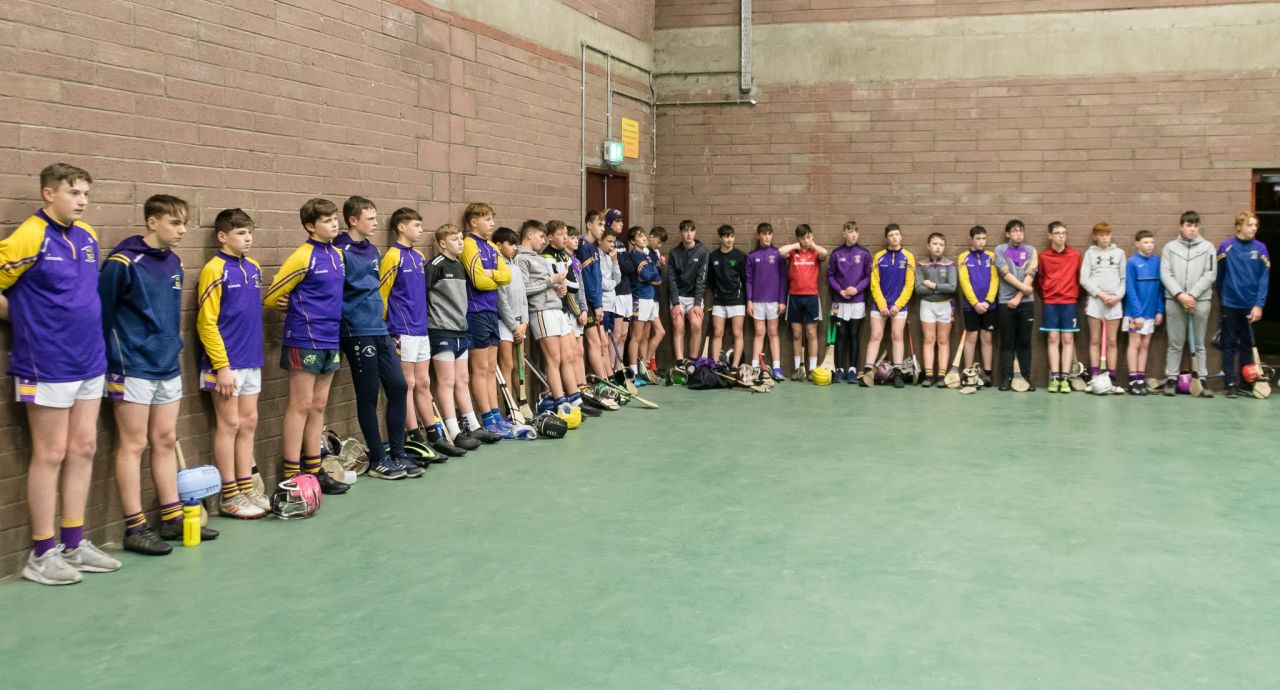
point(1111, 373)
point(71, 536)
point(1093, 371)
point(134, 523)
point(43, 546)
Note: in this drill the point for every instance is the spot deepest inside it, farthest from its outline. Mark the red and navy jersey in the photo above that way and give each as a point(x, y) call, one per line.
point(802, 272)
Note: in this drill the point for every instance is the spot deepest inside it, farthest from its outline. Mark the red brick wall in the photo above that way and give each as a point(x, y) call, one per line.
point(628, 16)
point(680, 14)
point(1135, 151)
point(262, 105)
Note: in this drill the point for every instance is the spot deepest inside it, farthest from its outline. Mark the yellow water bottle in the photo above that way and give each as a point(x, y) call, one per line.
point(191, 523)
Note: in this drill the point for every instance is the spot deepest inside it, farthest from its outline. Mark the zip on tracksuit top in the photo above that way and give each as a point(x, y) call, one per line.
point(141, 291)
point(49, 273)
point(942, 271)
point(1244, 271)
point(229, 313)
point(1143, 294)
point(647, 277)
point(479, 255)
point(978, 279)
point(402, 283)
point(893, 278)
point(361, 298)
point(849, 267)
point(589, 262)
point(687, 272)
point(766, 275)
point(1058, 279)
point(536, 272)
point(447, 287)
point(1019, 261)
point(311, 278)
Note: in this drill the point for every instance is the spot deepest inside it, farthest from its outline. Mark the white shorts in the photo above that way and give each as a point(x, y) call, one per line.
point(732, 311)
point(1096, 309)
point(144, 391)
point(645, 309)
point(550, 323)
point(849, 311)
point(936, 312)
point(248, 381)
point(687, 303)
point(764, 311)
point(875, 315)
point(505, 334)
point(621, 306)
point(1148, 326)
point(414, 348)
point(62, 394)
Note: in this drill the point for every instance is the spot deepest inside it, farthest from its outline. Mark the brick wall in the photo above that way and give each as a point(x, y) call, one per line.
point(629, 16)
point(1135, 151)
point(263, 105)
point(680, 14)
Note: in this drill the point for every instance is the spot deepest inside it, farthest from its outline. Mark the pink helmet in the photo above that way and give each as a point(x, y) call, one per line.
point(1184, 384)
point(296, 498)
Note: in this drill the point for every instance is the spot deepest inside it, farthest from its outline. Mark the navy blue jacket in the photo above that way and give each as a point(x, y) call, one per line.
point(361, 301)
point(141, 292)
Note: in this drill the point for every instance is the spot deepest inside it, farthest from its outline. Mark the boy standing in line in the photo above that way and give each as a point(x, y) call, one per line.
point(1188, 270)
point(893, 271)
point(686, 285)
point(804, 310)
point(1244, 271)
point(655, 238)
point(1016, 263)
point(848, 276)
point(229, 326)
point(979, 283)
point(728, 276)
point(1143, 307)
point(486, 272)
point(1059, 282)
point(610, 276)
point(766, 296)
point(1102, 277)
point(588, 255)
point(644, 293)
point(513, 308)
point(365, 340)
point(141, 290)
point(49, 279)
point(545, 288)
point(308, 288)
point(622, 307)
point(558, 252)
point(936, 283)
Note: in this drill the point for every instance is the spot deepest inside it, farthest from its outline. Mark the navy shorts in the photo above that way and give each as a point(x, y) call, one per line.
point(608, 321)
point(448, 345)
point(803, 309)
point(1060, 318)
point(482, 329)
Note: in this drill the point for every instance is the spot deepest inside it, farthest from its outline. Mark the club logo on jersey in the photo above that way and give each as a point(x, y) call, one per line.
point(88, 252)
point(257, 281)
point(1254, 255)
point(177, 281)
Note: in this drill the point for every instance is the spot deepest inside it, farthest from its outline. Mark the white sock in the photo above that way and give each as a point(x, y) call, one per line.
point(813, 362)
point(472, 422)
point(452, 425)
point(777, 364)
point(795, 362)
point(635, 368)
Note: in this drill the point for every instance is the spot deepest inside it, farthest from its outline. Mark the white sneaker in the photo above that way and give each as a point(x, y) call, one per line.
point(259, 499)
point(242, 507)
point(51, 568)
point(88, 558)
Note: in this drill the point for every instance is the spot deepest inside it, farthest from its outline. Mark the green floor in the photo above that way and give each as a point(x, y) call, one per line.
point(811, 538)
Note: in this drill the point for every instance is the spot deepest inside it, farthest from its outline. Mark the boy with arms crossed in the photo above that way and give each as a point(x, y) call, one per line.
point(1016, 263)
point(979, 283)
point(1102, 277)
point(936, 284)
point(804, 309)
point(686, 285)
point(766, 296)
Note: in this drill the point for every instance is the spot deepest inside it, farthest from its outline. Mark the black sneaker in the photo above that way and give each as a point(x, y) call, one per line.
point(147, 543)
point(386, 468)
point(411, 468)
point(1171, 387)
point(330, 486)
point(422, 454)
point(1232, 391)
point(926, 381)
point(172, 531)
point(589, 411)
point(446, 449)
point(481, 435)
point(898, 382)
point(1005, 387)
point(465, 442)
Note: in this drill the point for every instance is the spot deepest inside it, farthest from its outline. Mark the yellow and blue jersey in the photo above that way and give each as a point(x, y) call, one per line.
point(403, 286)
point(311, 280)
point(49, 273)
point(229, 313)
point(892, 278)
point(979, 281)
point(480, 255)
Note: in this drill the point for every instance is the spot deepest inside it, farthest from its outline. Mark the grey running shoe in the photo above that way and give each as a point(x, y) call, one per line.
point(51, 568)
point(88, 558)
point(242, 507)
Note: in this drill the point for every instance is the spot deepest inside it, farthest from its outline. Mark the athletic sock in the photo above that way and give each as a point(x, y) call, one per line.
point(311, 464)
point(230, 490)
point(795, 362)
point(472, 423)
point(72, 532)
point(435, 432)
point(487, 418)
point(1093, 371)
point(417, 435)
point(635, 368)
point(41, 545)
point(1111, 373)
point(292, 468)
point(813, 362)
point(777, 364)
point(134, 523)
point(245, 484)
point(170, 512)
point(452, 425)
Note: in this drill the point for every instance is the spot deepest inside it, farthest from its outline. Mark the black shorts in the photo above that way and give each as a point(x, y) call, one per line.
point(973, 321)
point(803, 309)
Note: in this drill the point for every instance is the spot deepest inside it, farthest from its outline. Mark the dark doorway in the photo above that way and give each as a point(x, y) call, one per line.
point(609, 189)
point(1266, 203)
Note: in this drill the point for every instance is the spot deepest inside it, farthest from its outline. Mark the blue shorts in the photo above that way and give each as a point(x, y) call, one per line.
point(608, 321)
point(482, 329)
point(448, 345)
point(1060, 318)
point(803, 309)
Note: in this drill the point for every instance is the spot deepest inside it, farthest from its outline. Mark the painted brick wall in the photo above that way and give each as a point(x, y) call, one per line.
point(680, 14)
point(262, 105)
point(945, 156)
point(629, 16)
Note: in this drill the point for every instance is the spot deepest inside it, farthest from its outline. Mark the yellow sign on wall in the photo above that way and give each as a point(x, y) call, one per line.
point(630, 138)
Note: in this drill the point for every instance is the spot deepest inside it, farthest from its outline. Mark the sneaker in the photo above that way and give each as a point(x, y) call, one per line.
point(172, 531)
point(898, 381)
point(241, 507)
point(496, 428)
point(1137, 388)
point(798, 374)
point(1205, 392)
point(1171, 387)
point(838, 377)
point(259, 499)
point(88, 558)
point(1054, 385)
point(410, 468)
point(589, 411)
point(640, 381)
point(386, 468)
point(809, 377)
point(443, 447)
point(986, 380)
point(926, 381)
point(1232, 391)
point(484, 436)
point(777, 374)
point(52, 568)
point(148, 543)
point(1005, 387)
point(330, 486)
point(851, 376)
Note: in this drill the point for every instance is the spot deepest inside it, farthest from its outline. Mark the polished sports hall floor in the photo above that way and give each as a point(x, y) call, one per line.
point(809, 538)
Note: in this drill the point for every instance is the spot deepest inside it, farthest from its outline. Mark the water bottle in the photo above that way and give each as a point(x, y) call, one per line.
point(191, 523)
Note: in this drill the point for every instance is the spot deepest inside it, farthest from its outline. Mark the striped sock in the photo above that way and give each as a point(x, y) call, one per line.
point(171, 512)
point(41, 545)
point(230, 490)
point(245, 484)
point(72, 532)
point(134, 523)
point(292, 468)
point(311, 464)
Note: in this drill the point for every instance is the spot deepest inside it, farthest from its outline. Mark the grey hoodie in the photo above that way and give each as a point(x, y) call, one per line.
point(513, 305)
point(942, 272)
point(1102, 270)
point(1189, 267)
point(610, 275)
point(536, 272)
